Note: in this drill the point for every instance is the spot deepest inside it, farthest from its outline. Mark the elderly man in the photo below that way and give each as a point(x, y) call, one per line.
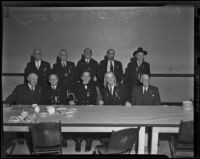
point(135, 69)
point(26, 94)
point(64, 70)
point(113, 93)
point(112, 65)
point(85, 94)
point(145, 94)
point(39, 67)
point(87, 63)
point(54, 94)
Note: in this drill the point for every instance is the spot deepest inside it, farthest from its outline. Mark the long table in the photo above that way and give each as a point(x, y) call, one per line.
point(108, 118)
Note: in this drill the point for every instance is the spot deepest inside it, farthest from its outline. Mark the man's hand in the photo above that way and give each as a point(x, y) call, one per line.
point(128, 104)
point(6, 105)
point(71, 102)
point(100, 102)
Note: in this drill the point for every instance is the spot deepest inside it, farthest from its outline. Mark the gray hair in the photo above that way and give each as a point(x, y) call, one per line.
point(105, 83)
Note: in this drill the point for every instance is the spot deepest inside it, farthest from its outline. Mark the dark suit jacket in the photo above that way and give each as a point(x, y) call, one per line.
point(119, 96)
point(85, 96)
point(152, 97)
point(43, 72)
point(82, 66)
point(65, 75)
point(22, 95)
point(131, 74)
point(118, 71)
point(51, 97)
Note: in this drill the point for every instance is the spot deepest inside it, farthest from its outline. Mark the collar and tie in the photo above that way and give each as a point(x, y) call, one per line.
point(85, 86)
point(53, 87)
point(145, 89)
point(111, 66)
point(111, 90)
point(32, 89)
point(64, 64)
point(87, 61)
point(37, 63)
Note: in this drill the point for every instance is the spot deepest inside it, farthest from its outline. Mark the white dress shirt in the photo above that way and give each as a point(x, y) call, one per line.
point(145, 89)
point(108, 65)
point(37, 64)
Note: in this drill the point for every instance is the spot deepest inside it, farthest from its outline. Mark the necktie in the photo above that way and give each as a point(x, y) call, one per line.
point(63, 64)
point(111, 90)
point(32, 89)
point(145, 90)
point(37, 65)
point(111, 67)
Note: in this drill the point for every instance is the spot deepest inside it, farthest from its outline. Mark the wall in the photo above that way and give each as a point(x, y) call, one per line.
point(165, 32)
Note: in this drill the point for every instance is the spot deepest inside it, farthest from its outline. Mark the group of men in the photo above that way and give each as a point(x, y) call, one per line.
point(87, 83)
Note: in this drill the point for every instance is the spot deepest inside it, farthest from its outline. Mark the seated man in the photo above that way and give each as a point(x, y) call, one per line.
point(113, 93)
point(54, 94)
point(85, 94)
point(26, 94)
point(145, 94)
point(85, 91)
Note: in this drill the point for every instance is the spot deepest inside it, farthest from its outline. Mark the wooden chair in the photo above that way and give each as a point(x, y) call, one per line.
point(182, 143)
point(10, 141)
point(46, 138)
point(121, 142)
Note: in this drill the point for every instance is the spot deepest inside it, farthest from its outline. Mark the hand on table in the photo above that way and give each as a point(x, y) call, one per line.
point(128, 104)
point(6, 105)
point(100, 102)
point(71, 102)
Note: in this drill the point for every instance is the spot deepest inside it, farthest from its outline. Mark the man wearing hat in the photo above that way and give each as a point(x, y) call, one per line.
point(135, 69)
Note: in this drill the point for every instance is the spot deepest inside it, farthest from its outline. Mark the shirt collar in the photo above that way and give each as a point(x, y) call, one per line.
point(31, 86)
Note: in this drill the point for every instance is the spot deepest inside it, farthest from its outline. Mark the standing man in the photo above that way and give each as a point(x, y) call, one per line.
point(26, 94)
point(109, 64)
point(87, 63)
point(39, 67)
point(145, 94)
point(113, 93)
point(135, 69)
point(65, 71)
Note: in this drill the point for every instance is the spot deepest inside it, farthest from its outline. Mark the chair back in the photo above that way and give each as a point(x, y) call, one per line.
point(46, 134)
point(186, 132)
point(122, 141)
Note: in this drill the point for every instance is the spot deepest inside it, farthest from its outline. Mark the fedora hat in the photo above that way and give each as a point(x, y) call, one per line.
point(140, 49)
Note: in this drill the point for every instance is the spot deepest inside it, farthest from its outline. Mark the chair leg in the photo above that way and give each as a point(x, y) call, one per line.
point(12, 145)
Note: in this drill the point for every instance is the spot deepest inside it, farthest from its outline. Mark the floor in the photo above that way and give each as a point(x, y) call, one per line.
point(70, 149)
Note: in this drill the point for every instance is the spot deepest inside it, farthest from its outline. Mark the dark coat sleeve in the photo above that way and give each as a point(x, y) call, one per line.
point(11, 99)
point(120, 72)
point(134, 96)
point(157, 97)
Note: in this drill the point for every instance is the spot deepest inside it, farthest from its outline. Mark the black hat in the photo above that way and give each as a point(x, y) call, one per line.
point(140, 49)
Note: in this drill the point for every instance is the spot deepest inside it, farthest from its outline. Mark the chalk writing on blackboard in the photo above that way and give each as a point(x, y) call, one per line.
point(64, 16)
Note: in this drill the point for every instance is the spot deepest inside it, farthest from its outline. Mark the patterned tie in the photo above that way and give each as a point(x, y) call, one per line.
point(32, 89)
point(111, 66)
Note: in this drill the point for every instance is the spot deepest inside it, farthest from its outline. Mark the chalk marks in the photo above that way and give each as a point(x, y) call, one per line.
point(29, 17)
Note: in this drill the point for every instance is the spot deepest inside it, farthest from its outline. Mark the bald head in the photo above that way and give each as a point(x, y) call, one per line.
point(63, 55)
point(145, 80)
point(32, 79)
point(53, 79)
point(87, 53)
point(111, 54)
point(37, 54)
